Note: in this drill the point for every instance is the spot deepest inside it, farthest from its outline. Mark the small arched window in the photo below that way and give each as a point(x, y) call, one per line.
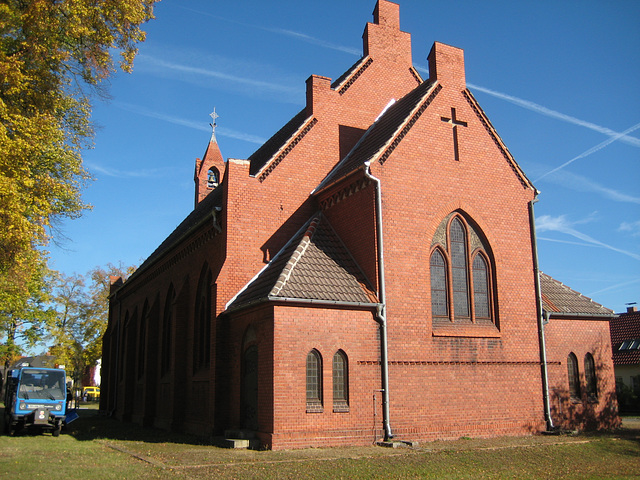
point(459, 269)
point(213, 178)
point(340, 382)
point(590, 377)
point(574, 376)
point(314, 381)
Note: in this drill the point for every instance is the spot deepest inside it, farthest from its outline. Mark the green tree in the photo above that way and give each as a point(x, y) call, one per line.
point(54, 54)
point(25, 310)
point(82, 310)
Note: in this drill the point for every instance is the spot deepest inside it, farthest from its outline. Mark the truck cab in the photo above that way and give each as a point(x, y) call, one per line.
point(35, 398)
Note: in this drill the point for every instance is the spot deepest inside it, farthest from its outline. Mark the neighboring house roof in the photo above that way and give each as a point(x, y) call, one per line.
point(625, 338)
point(560, 300)
point(313, 266)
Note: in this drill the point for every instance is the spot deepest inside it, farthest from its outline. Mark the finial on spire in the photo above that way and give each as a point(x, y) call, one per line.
point(214, 116)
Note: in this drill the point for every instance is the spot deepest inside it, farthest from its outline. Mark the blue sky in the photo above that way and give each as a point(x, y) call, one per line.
point(558, 80)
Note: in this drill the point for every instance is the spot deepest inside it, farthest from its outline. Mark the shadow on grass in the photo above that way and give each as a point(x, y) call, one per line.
point(92, 425)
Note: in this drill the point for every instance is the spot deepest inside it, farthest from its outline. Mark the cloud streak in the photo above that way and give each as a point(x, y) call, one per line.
point(220, 131)
point(285, 32)
point(582, 184)
point(561, 116)
point(235, 79)
point(600, 146)
point(547, 223)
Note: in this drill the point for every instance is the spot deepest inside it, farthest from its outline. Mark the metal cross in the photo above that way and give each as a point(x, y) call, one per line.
point(213, 116)
point(455, 123)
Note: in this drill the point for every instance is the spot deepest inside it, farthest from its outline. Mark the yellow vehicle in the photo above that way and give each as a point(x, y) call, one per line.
point(91, 393)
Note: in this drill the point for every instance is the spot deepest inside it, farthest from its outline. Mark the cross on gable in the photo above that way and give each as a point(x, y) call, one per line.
point(455, 123)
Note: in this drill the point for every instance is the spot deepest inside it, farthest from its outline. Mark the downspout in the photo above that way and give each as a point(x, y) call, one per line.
point(381, 310)
point(542, 321)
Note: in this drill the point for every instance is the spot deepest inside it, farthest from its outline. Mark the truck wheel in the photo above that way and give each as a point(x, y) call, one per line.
point(56, 431)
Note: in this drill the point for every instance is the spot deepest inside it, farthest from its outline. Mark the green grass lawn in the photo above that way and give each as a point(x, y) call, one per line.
point(96, 447)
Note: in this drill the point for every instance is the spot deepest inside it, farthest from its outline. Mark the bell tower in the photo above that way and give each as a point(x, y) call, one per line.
point(209, 170)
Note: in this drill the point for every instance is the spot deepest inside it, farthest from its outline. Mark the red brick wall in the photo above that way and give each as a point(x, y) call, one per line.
point(566, 335)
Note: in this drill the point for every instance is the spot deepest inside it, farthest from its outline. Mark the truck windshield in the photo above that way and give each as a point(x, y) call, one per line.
point(42, 384)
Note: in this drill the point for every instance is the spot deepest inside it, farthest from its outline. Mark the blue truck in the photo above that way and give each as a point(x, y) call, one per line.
point(35, 398)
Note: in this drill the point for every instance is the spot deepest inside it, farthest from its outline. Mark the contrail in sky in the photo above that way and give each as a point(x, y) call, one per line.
point(592, 150)
point(560, 116)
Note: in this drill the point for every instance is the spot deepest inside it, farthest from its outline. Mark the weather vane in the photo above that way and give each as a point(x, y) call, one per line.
point(213, 116)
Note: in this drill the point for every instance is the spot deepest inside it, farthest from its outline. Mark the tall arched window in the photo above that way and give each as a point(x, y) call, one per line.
point(202, 321)
point(142, 339)
point(590, 377)
point(167, 335)
point(461, 273)
point(574, 376)
point(439, 296)
point(340, 382)
point(459, 269)
point(314, 381)
point(481, 287)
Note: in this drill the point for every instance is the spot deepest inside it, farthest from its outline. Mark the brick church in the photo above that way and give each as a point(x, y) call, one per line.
point(369, 273)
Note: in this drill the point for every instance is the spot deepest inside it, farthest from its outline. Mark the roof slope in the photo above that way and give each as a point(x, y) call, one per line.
point(560, 299)
point(624, 328)
point(263, 154)
point(313, 266)
point(389, 127)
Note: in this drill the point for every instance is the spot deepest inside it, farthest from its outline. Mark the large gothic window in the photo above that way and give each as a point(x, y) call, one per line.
point(461, 273)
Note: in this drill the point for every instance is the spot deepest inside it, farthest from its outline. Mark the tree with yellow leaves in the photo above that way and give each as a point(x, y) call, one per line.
point(54, 54)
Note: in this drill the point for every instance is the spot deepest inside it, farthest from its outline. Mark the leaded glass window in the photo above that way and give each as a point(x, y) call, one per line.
point(439, 297)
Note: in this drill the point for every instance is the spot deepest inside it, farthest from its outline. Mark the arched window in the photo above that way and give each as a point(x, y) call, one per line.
point(213, 178)
point(439, 297)
point(340, 382)
point(314, 381)
point(461, 275)
point(167, 336)
point(142, 339)
point(202, 321)
point(574, 376)
point(481, 287)
point(459, 269)
point(590, 377)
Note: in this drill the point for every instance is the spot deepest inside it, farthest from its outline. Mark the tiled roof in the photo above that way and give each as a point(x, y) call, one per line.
point(559, 299)
point(314, 266)
point(261, 157)
point(623, 328)
point(387, 128)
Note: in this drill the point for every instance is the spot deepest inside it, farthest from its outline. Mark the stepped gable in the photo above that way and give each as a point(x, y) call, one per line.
point(313, 266)
point(557, 298)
